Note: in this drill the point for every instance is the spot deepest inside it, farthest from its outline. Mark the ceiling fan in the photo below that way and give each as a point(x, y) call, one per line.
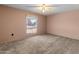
point(43, 7)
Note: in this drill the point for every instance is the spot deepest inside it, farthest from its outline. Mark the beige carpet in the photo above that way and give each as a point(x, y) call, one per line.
point(42, 44)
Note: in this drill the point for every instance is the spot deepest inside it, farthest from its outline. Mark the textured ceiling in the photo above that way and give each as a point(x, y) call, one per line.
point(55, 8)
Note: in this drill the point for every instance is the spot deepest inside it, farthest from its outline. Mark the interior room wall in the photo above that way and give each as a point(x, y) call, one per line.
point(1, 24)
point(14, 21)
point(64, 24)
point(0, 30)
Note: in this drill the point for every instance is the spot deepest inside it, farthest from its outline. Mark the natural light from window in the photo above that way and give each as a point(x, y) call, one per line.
point(31, 24)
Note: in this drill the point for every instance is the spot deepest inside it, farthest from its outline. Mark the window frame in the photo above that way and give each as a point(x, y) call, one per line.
point(27, 18)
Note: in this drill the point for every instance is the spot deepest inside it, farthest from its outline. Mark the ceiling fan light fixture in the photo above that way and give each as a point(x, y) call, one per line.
point(43, 8)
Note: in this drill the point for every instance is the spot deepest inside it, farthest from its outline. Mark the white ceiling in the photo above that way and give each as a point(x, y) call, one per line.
point(56, 8)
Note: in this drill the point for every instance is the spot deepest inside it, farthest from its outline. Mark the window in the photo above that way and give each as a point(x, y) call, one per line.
point(31, 24)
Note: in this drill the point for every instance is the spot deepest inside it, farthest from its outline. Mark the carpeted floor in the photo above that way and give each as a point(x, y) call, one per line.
point(42, 44)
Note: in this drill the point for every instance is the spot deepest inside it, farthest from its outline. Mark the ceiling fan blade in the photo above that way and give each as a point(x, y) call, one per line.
point(33, 5)
point(42, 5)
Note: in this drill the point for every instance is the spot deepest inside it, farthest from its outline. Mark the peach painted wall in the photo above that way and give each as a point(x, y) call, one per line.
point(13, 21)
point(64, 24)
point(1, 24)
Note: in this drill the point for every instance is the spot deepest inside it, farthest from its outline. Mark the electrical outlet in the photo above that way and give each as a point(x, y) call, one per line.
point(12, 34)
